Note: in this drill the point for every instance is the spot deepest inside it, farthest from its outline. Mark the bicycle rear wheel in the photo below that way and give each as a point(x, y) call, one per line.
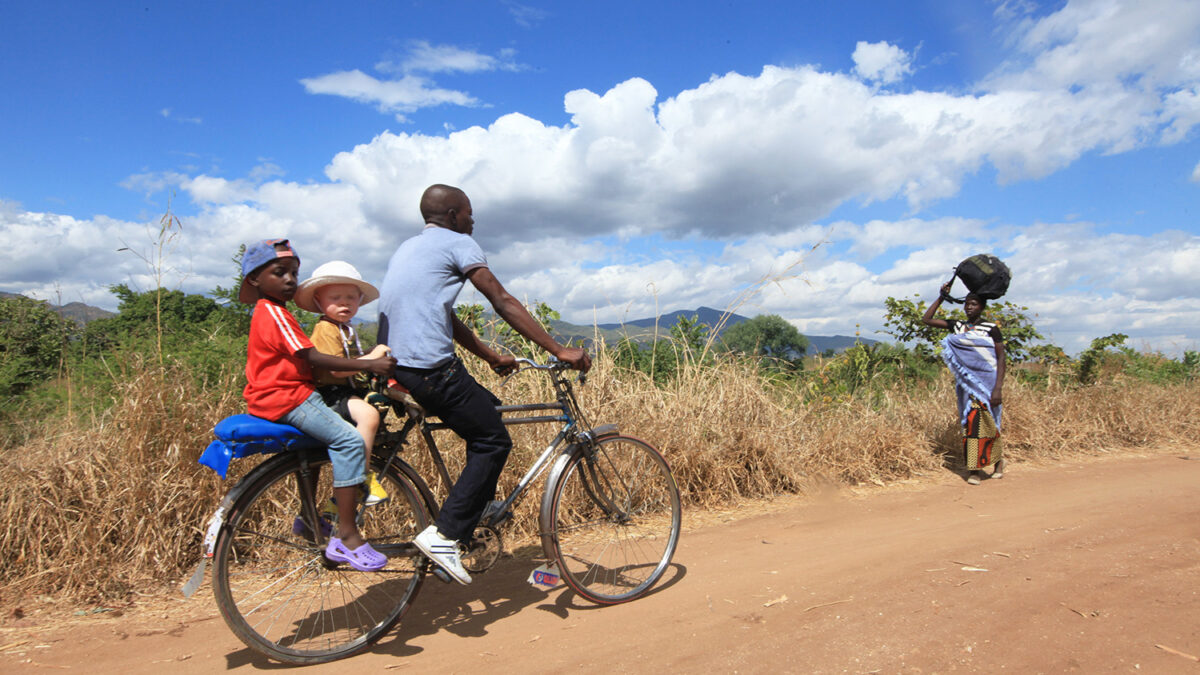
point(612, 520)
point(276, 589)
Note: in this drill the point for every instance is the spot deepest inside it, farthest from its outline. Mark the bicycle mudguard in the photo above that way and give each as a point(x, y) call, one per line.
point(545, 520)
point(605, 430)
point(243, 435)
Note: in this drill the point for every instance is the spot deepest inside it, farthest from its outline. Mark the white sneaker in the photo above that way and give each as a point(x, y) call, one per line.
point(443, 552)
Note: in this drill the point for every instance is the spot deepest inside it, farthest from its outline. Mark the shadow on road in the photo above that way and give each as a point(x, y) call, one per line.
point(503, 591)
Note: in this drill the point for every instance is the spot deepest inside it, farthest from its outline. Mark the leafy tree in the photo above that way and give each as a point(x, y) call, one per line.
point(689, 333)
point(1091, 358)
point(1110, 356)
point(545, 314)
point(33, 339)
point(138, 311)
point(662, 358)
point(903, 322)
point(237, 312)
point(228, 297)
point(193, 329)
point(473, 316)
point(497, 331)
point(142, 315)
point(1191, 364)
point(169, 229)
point(768, 336)
point(659, 359)
point(629, 355)
point(1049, 354)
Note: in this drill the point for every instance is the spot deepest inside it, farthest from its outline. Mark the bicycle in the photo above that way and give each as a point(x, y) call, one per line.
point(609, 519)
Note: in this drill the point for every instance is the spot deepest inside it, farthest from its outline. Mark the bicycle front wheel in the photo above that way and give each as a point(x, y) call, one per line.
point(277, 590)
point(613, 519)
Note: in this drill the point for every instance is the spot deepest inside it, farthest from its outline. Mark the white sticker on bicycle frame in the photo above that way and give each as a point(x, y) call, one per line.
point(545, 576)
point(214, 527)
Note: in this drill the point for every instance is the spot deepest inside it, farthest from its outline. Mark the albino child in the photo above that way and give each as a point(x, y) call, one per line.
point(335, 291)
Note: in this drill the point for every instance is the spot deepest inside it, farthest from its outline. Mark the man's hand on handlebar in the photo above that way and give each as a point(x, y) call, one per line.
point(578, 358)
point(505, 364)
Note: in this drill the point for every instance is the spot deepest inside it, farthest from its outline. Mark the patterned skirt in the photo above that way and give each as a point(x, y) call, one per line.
point(981, 438)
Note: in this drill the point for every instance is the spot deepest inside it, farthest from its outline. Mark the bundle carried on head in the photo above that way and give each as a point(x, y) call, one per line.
point(984, 275)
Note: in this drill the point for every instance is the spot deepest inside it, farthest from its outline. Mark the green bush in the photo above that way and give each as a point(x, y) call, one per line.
point(193, 330)
point(32, 341)
point(870, 370)
point(770, 337)
point(1108, 357)
point(664, 358)
point(659, 359)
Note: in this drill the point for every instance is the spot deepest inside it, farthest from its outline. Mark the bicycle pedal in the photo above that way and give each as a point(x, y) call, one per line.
point(496, 519)
point(442, 575)
point(493, 516)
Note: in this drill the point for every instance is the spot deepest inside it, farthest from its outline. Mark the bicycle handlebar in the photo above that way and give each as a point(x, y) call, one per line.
point(553, 365)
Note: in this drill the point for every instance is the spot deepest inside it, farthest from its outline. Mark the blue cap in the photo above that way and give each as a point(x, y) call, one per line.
point(259, 254)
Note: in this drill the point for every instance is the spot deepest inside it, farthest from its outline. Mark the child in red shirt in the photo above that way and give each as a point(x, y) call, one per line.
point(279, 387)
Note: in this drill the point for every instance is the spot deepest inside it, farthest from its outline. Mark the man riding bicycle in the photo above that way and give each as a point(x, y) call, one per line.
point(418, 323)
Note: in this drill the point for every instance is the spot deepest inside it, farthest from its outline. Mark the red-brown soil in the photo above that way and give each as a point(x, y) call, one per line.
point(1090, 566)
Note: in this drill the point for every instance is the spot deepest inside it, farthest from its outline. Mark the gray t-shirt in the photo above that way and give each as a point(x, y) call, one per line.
point(418, 292)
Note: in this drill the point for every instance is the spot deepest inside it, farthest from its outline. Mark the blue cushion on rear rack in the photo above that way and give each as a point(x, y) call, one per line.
point(243, 435)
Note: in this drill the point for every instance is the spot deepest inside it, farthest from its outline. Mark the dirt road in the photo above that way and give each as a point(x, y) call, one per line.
point(1089, 567)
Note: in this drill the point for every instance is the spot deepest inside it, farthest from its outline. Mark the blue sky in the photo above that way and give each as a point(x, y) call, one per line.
point(624, 156)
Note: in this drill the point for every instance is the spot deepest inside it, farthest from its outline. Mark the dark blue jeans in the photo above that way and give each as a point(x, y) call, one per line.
point(469, 409)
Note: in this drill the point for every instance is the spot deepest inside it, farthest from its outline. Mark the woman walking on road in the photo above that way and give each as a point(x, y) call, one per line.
point(974, 351)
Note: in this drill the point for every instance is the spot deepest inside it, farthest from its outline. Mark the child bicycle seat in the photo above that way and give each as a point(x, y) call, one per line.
point(243, 435)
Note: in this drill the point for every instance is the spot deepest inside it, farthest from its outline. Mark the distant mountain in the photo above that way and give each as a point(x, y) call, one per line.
point(705, 315)
point(818, 344)
point(82, 313)
point(76, 311)
point(643, 330)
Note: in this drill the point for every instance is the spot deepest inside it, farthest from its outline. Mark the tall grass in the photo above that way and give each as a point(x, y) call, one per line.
point(110, 505)
point(106, 505)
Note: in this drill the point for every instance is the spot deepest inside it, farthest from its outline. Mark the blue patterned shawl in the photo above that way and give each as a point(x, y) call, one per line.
point(972, 359)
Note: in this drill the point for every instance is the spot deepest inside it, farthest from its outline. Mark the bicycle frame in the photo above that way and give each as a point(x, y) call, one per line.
point(568, 437)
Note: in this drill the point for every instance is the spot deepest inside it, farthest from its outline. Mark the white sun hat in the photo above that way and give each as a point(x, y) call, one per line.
point(332, 272)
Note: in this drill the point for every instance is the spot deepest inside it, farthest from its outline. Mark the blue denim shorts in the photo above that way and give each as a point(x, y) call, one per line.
point(347, 452)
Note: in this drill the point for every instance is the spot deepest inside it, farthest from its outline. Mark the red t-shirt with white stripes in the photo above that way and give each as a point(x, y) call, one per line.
point(276, 379)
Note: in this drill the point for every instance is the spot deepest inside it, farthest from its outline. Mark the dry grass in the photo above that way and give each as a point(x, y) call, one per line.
point(106, 508)
point(114, 506)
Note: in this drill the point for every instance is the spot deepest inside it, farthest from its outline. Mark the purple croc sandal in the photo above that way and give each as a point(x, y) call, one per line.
point(364, 558)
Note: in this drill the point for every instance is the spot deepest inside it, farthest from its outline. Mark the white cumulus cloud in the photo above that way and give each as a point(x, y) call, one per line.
point(881, 62)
